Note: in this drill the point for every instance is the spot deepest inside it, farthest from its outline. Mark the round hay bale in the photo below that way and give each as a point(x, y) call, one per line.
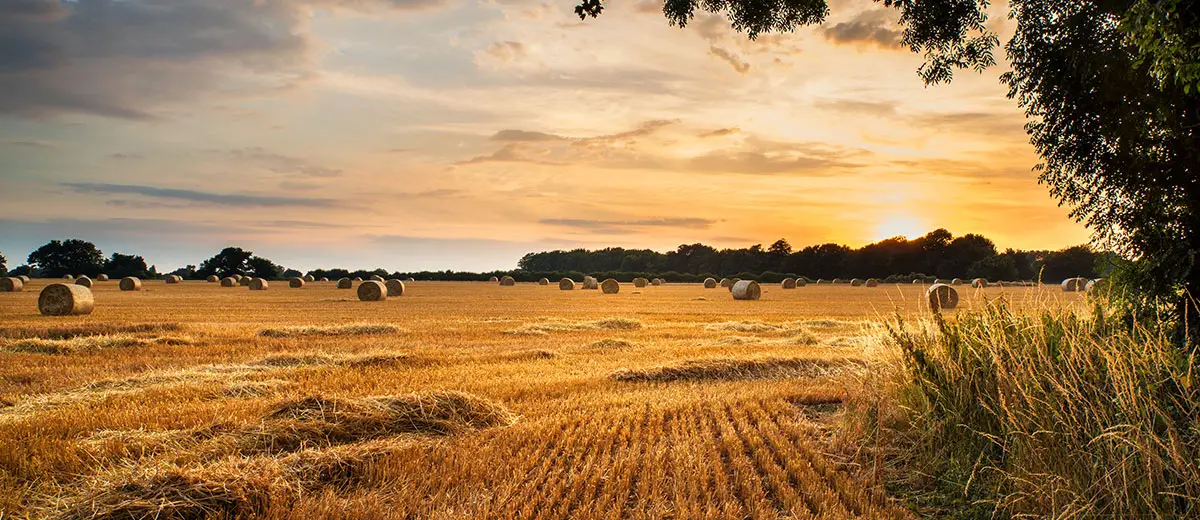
point(238, 278)
point(372, 291)
point(493, 279)
point(1096, 286)
point(590, 283)
point(323, 279)
point(871, 282)
point(84, 281)
point(657, 282)
point(939, 280)
point(788, 283)
point(357, 279)
point(377, 278)
point(979, 283)
point(855, 282)
point(173, 279)
point(310, 278)
point(212, 278)
point(726, 283)
point(295, 282)
point(821, 281)
point(746, 290)
point(228, 281)
point(394, 288)
point(102, 277)
point(11, 284)
point(801, 282)
point(956, 281)
point(610, 286)
point(566, 284)
point(131, 283)
point(838, 281)
point(410, 279)
point(1074, 284)
point(544, 281)
point(259, 284)
point(508, 281)
point(60, 299)
point(344, 283)
point(245, 281)
point(916, 281)
point(710, 283)
point(68, 277)
point(24, 279)
point(941, 296)
point(640, 282)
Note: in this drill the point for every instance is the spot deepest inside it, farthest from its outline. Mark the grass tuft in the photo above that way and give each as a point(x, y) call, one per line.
point(318, 420)
point(96, 329)
point(544, 328)
point(85, 344)
point(360, 329)
point(612, 344)
point(742, 326)
point(730, 369)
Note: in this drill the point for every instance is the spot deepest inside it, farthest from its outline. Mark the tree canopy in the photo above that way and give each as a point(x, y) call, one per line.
point(231, 260)
point(71, 256)
point(937, 254)
point(1110, 90)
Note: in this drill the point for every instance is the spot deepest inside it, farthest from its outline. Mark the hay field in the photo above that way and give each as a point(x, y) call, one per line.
point(457, 400)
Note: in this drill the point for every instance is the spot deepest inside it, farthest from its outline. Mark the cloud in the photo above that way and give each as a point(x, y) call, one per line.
point(721, 132)
point(879, 108)
point(139, 59)
point(506, 51)
point(618, 227)
point(739, 65)
point(28, 144)
point(648, 147)
point(281, 163)
point(202, 197)
point(874, 27)
point(523, 135)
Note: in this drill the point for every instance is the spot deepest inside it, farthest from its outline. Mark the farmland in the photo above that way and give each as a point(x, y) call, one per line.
point(457, 400)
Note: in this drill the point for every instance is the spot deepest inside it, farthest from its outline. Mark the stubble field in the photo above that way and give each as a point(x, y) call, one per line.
point(457, 400)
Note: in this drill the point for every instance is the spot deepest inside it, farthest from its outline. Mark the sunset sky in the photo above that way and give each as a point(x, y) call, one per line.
point(450, 134)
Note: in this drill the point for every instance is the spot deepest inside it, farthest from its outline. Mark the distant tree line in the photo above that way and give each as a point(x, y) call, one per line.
point(935, 255)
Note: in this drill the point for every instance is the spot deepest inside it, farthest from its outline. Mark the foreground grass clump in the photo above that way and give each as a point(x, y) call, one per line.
point(360, 329)
point(81, 344)
point(1053, 415)
point(94, 329)
point(730, 369)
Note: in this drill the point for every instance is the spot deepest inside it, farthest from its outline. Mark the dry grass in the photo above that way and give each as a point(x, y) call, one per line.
point(84, 344)
point(359, 329)
point(93, 329)
point(545, 328)
point(729, 369)
point(290, 424)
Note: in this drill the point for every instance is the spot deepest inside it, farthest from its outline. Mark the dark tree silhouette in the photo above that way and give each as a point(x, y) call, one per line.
point(71, 256)
point(231, 260)
point(120, 266)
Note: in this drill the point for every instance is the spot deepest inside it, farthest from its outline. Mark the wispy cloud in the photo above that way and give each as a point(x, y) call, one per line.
point(874, 27)
point(203, 197)
point(624, 227)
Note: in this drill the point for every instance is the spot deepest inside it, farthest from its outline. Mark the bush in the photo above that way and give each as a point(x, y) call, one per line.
point(1053, 415)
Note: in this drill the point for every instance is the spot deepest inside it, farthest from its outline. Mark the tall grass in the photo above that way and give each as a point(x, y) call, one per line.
point(1050, 415)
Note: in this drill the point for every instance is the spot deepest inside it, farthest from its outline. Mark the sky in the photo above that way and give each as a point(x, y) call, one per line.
point(462, 134)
